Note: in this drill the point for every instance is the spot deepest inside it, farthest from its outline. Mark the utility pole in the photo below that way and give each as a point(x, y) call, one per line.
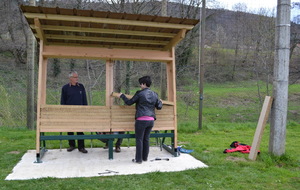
point(280, 81)
point(163, 93)
point(31, 59)
point(201, 61)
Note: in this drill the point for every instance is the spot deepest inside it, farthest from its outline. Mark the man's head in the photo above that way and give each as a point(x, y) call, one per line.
point(145, 80)
point(73, 76)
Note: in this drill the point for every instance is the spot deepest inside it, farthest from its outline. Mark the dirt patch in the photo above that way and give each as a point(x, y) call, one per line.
point(234, 101)
point(183, 142)
point(14, 152)
point(232, 158)
point(294, 97)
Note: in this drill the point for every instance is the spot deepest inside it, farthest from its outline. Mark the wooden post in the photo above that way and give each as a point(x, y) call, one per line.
point(281, 77)
point(41, 99)
point(171, 86)
point(201, 61)
point(263, 118)
point(109, 82)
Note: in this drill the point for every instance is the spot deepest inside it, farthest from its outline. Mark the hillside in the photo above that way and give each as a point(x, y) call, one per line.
point(239, 48)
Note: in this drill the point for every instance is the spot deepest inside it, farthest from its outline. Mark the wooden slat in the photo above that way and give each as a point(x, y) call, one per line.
point(176, 39)
point(82, 129)
point(105, 53)
point(263, 118)
point(74, 117)
point(105, 31)
point(107, 21)
point(162, 128)
point(102, 39)
point(62, 118)
point(73, 122)
point(68, 118)
point(123, 118)
point(116, 95)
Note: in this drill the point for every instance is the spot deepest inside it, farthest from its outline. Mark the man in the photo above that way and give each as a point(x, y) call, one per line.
point(73, 93)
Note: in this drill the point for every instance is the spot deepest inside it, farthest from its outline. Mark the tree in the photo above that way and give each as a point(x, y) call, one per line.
point(31, 61)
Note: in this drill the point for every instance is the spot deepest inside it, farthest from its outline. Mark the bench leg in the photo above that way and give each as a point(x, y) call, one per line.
point(38, 158)
point(60, 142)
point(91, 140)
point(110, 149)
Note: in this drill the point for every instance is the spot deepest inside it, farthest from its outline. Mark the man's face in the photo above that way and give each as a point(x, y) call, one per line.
point(74, 79)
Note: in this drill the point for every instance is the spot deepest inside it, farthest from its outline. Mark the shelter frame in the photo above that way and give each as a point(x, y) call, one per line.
point(157, 37)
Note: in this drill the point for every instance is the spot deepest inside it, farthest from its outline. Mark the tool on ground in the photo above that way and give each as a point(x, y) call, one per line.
point(108, 172)
point(157, 159)
point(183, 150)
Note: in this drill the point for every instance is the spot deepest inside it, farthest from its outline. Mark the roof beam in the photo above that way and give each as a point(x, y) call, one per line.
point(175, 40)
point(105, 31)
point(101, 39)
point(39, 30)
point(106, 53)
point(107, 21)
point(69, 44)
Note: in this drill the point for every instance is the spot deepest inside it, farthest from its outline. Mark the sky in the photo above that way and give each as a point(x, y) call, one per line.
point(251, 4)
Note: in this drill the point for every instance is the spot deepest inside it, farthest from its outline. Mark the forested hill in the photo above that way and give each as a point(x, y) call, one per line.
point(235, 40)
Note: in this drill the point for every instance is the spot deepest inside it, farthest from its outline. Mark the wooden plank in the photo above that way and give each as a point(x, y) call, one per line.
point(263, 118)
point(123, 128)
point(39, 30)
point(73, 107)
point(122, 118)
point(175, 40)
point(39, 97)
point(67, 121)
point(171, 84)
point(116, 94)
point(109, 82)
point(68, 118)
point(105, 53)
point(72, 118)
point(105, 31)
point(69, 125)
point(162, 128)
point(101, 45)
point(107, 21)
point(82, 129)
point(102, 39)
point(74, 115)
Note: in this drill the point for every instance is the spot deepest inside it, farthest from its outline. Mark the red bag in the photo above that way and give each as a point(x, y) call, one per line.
point(239, 147)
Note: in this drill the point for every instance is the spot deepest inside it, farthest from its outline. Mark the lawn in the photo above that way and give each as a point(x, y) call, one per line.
point(229, 115)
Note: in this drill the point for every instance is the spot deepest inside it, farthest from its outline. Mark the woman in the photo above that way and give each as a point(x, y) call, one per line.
point(146, 101)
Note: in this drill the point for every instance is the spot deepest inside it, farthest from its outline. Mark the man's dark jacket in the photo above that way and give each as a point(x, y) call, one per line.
point(73, 95)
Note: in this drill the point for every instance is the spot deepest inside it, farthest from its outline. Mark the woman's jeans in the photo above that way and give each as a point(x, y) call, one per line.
point(142, 136)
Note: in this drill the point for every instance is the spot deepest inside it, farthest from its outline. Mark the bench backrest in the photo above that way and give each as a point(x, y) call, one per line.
point(69, 118)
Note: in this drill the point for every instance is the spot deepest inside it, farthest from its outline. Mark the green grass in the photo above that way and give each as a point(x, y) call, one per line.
point(230, 113)
point(225, 171)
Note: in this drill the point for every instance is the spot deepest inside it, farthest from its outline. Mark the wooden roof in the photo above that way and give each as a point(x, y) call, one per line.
point(74, 27)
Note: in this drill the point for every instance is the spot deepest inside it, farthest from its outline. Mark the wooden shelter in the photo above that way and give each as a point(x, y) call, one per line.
point(89, 34)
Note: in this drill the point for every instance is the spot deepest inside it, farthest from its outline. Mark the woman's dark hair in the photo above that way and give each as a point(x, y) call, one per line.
point(145, 80)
